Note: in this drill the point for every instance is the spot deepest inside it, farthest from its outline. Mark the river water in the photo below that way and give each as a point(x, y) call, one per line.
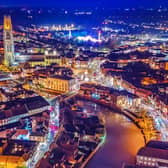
point(123, 139)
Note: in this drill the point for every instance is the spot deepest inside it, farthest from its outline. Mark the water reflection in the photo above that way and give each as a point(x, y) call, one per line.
point(122, 143)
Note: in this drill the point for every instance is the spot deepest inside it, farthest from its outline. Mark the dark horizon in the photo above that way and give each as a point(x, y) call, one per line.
point(86, 3)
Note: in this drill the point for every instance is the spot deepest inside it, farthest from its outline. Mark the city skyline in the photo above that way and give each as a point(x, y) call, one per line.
point(76, 77)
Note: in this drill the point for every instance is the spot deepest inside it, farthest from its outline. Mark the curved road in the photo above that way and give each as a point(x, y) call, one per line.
point(123, 139)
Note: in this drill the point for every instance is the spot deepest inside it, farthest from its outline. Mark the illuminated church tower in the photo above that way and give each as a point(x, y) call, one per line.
point(8, 42)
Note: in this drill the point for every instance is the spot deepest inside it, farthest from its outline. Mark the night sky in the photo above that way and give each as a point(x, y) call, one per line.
point(86, 3)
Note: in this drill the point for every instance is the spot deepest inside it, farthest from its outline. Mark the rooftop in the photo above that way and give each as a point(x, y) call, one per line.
point(158, 145)
point(19, 147)
point(21, 106)
point(107, 89)
point(35, 102)
point(62, 77)
point(154, 153)
point(136, 166)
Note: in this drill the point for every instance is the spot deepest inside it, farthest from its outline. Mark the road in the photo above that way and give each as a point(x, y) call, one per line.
point(123, 139)
point(44, 147)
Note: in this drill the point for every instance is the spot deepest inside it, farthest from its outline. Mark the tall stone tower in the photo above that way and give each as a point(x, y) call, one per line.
point(8, 42)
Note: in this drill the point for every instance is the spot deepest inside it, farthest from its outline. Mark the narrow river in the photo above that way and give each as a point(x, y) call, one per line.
point(123, 139)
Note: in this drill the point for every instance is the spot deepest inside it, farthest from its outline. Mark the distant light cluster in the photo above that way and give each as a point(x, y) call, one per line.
point(89, 38)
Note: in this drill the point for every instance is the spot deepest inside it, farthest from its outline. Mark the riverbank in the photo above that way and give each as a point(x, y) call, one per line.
point(123, 141)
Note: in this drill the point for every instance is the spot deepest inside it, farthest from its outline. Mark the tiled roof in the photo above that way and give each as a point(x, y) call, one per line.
point(154, 153)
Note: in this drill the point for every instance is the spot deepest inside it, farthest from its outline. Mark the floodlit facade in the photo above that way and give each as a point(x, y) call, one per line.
point(12, 162)
point(59, 83)
point(8, 42)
